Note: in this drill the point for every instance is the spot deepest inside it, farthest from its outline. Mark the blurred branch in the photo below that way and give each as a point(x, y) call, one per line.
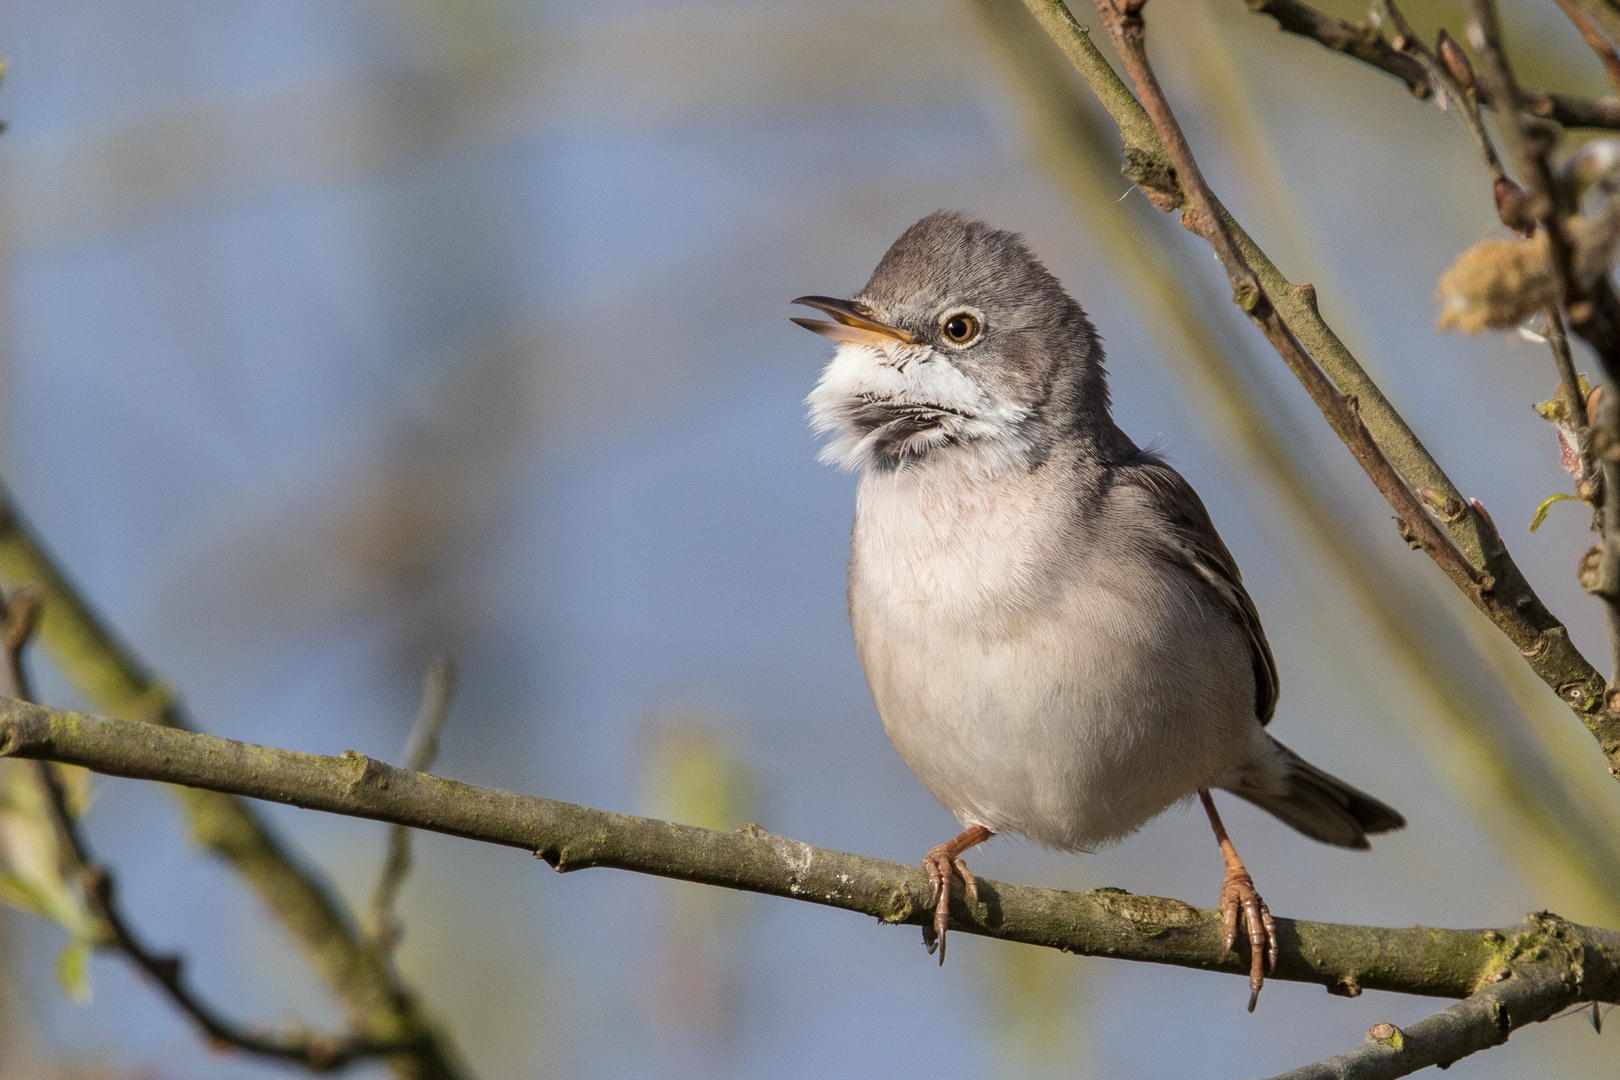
point(1363, 42)
point(1559, 835)
point(1533, 993)
point(1451, 89)
point(1360, 40)
point(106, 672)
point(319, 1053)
point(1489, 577)
point(1106, 922)
point(1594, 310)
point(382, 930)
point(1593, 36)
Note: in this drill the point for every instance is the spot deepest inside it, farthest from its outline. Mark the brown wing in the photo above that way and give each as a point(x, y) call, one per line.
point(1192, 542)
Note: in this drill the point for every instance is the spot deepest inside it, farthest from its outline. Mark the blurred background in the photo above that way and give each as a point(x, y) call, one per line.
point(338, 334)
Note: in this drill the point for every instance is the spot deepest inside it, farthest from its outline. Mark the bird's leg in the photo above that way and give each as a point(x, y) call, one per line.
point(943, 864)
point(1238, 894)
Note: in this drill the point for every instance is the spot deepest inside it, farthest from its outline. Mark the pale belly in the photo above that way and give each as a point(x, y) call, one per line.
point(1072, 721)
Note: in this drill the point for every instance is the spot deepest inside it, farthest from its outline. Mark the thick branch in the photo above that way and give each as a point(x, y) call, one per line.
point(1533, 993)
point(1106, 922)
point(106, 672)
point(1502, 592)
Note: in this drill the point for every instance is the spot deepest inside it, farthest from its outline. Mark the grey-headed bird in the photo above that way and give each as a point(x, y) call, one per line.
point(1057, 640)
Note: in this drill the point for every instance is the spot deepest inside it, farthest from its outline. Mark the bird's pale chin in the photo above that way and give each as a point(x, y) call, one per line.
point(891, 408)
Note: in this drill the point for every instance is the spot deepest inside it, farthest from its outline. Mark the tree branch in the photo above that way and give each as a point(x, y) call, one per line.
point(1363, 42)
point(107, 673)
point(315, 1052)
point(1477, 728)
point(1106, 922)
point(1531, 994)
point(1360, 40)
point(1593, 36)
point(382, 927)
point(1501, 591)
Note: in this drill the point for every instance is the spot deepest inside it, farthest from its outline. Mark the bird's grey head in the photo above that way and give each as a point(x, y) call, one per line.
point(962, 343)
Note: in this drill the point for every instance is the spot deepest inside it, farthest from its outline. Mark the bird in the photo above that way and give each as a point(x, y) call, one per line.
point(1058, 642)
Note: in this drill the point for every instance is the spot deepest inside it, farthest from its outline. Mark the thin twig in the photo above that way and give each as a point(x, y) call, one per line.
point(1363, 42)
point(1593, 36)
point(1106, 922)
point(422, 748)
point(1527, 141)
point(1450, 90)
point(318, 1053)
point(1588, 482)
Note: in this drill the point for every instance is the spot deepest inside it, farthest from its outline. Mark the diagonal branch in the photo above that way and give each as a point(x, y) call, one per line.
point(1593, 36)
point(1106, 922)
point(1533, 993)
point(1498, 588)
point(315, 1052)
point(106, 672)
point(1363, 42)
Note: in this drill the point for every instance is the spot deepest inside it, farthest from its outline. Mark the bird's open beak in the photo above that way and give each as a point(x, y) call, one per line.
point(855, 324)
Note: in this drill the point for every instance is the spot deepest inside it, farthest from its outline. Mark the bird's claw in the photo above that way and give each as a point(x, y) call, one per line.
point(1238, 895)
point(942, 866)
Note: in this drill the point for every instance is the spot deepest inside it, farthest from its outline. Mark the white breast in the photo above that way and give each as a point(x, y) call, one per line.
point(1023, 663)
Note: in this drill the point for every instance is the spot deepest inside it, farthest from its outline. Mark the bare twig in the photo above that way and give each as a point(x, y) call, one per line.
point(1593, 36)
point(318, 1053)
point(1527, 140)
point(1502, 591)
point(437, 687)
point(1594, 311)
point(107, 673)
point(1607, 585)
point(1528, 995)
point(1106, 922)
point(1451, 91)
point(1362, 41)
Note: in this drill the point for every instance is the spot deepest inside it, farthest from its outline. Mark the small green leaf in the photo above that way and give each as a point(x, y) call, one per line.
point(73, 970)
point(1554, 408)
point(1546, 505)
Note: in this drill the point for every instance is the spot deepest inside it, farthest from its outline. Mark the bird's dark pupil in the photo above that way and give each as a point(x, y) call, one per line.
point(957, 328)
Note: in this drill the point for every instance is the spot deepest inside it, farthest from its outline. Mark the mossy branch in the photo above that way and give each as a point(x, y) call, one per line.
point(1105, 922)
point(1533, 992)
point(102, 668)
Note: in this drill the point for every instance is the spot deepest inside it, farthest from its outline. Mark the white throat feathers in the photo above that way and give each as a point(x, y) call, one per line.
point(889, 407)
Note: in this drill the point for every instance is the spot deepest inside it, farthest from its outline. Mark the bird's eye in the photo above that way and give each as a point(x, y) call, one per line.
point(960, 327)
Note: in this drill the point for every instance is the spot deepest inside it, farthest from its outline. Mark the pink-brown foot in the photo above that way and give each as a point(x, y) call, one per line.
point(1238, 896)
point(943, 865)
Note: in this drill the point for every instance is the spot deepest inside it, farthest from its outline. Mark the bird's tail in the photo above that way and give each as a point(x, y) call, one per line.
point(1319, 805)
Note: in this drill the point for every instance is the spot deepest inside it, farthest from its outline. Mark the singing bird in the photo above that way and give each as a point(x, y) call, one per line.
point(1057, 641)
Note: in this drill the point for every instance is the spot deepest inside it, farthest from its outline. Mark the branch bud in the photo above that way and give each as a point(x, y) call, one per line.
point(1457, 65)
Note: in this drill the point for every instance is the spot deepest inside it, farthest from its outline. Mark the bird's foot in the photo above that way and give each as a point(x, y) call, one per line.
point(943, 865)
point(1238, 895)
